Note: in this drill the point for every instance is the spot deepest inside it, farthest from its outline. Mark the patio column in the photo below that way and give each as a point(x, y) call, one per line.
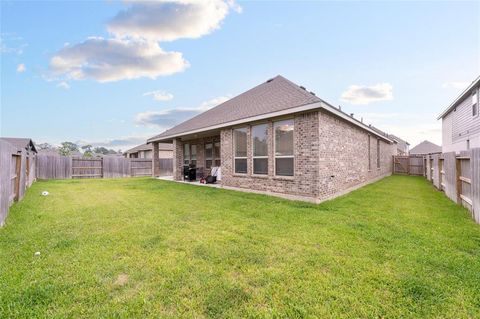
point(155, 161)
point(177, 160)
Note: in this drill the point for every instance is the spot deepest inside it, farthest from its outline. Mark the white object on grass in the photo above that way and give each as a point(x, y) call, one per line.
point(44, 193)
point(37, 253)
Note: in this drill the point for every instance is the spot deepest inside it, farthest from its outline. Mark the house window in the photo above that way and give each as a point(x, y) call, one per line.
point(475, 104)
point(208, 155)
point(369, 154)
point(193, 154)
point(378, 153)
point(284, 160)
point(240, 150)
point(212, 154)
point(260, 149)
point(189, 154)
point(186, 154)
point(216, 153)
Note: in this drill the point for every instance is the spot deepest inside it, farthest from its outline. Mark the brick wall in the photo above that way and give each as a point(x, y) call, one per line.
point(331, 156)
point(305, 181)
point(344, 156)
point(178, 154)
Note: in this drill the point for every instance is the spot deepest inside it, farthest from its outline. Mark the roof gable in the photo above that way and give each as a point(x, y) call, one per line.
point(426, 147)
point(149, 147)
point(275, 97)
point(276, 94)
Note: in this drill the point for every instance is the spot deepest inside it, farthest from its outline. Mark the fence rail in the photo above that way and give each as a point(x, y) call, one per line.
point(65, 167)
point(410, 165)
point(458, 175)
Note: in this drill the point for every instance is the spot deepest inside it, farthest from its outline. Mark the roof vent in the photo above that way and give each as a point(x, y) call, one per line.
point(303, 88)
point(312, 93)
point(340, 107)
point(351, 114)
point(269, 80)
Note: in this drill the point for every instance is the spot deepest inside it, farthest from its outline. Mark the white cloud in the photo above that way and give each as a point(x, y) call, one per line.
point(10, 43)
point(169, 20)
point(414, 128)
point(64, 85)
point(165, 119)
point(123, 142)
point(416, 132)
point(361, 94)
point(455, 85)
point(134, 51)
point(107, 60)
point(21, 68)
point(159, 95)
point(213, 102)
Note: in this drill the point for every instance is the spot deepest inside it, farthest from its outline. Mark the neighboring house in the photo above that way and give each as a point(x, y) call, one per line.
point(402, 145)
point(146, 151)
point(461, 121)
point(279, 138)
point(426, 147)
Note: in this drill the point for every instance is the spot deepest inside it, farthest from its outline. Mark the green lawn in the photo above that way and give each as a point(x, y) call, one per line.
point(148, 248)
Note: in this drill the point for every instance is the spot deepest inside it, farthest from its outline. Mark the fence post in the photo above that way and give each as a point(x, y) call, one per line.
point(440, 170)
point(458, 173)
point(155, 160)
point(18, 167)
point(428, 171)
point(475, 186)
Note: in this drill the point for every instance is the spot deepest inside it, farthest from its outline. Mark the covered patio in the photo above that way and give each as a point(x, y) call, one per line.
point(195, 156)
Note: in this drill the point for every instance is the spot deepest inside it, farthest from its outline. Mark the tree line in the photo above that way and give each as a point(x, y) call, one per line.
point(70, 148)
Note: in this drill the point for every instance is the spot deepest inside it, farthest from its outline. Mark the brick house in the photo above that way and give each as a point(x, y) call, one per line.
point(280, 139)
point(146, 150)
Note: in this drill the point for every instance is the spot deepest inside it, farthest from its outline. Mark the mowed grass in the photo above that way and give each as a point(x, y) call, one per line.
point(147, 248)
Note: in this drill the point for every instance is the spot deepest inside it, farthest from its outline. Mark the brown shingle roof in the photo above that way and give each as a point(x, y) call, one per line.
point(426, 147)
point(147, 147)
point(276, 94)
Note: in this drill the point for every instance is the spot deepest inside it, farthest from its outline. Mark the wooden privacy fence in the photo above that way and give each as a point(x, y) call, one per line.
point(410, 165)
point(17, 173)
point(65, 167)
point(458, 176)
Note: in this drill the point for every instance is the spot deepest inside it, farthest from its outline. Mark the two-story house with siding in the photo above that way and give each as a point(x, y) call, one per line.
point(461, 121)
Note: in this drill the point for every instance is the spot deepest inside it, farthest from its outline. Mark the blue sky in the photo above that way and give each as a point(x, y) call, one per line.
point(93, 72)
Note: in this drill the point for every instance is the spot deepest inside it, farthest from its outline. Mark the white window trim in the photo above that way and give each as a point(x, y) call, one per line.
point(275, 156)
point(476, 103)
point(234, 149)
point(253, 151)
